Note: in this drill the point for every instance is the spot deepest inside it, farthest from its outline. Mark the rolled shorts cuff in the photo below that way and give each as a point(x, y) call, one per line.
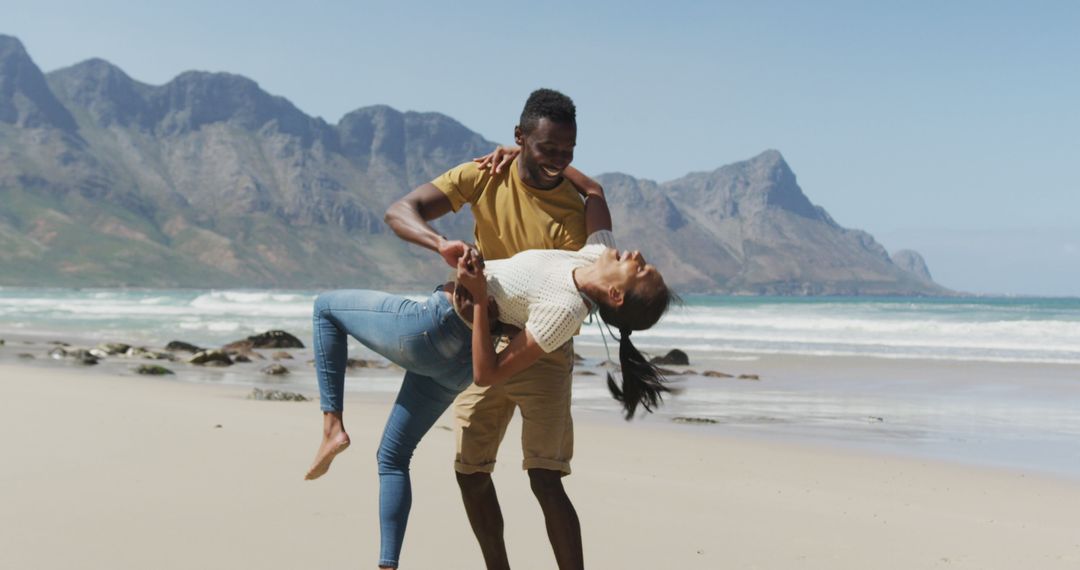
point(466, 469)
point(549, 464)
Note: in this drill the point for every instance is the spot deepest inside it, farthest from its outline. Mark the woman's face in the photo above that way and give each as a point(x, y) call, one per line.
point(627, 271)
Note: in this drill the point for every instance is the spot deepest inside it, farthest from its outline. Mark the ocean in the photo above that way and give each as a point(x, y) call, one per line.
point(988, 380)
point(1030, 330)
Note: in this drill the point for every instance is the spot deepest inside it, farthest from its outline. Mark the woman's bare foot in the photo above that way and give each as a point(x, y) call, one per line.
point(335, 440)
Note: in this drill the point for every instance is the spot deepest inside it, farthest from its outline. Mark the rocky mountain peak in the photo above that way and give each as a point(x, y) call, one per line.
point(94, 66)
point(10, 44)
point(771, 180)
point(419, 145)
point(912, 262)
point(375, 131)
point(25, 97)
point(749, 188)
point(92, 72)
point(103, 89)
point(438, 132)
point(197, 98)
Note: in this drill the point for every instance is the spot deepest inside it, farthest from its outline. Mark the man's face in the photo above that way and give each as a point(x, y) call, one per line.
point(545, 152)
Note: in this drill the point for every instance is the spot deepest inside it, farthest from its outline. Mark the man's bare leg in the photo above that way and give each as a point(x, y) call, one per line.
point(335, 440)
point(563, 526)
point(485, 516)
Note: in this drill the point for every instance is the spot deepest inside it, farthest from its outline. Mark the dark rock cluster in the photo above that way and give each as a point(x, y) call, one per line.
point(243, 351)
point(268, 339)
point(77, 355)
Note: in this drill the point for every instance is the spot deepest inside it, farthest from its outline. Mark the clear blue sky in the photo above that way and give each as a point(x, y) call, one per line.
point(951, 127)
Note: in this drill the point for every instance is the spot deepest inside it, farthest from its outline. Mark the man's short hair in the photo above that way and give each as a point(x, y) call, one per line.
point(547, 104)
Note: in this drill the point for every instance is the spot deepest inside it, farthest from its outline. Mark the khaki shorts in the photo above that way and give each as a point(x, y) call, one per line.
point(547, 432)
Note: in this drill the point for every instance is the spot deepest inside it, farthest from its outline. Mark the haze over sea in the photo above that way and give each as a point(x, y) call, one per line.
point(989, 380)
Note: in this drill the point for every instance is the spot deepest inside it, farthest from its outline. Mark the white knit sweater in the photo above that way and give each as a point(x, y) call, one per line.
point(535, 289)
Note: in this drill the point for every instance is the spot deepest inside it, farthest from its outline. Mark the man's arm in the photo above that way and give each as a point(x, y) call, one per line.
point(409, 218)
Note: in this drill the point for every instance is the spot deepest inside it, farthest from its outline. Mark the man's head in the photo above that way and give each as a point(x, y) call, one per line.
point(547, 104)
point(547, 134)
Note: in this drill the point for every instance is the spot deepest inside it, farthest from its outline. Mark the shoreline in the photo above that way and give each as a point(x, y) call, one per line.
point(1013, 416)
point(130, 465)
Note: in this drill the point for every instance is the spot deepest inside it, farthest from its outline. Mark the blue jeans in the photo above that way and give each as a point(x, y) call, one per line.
point(426, 338)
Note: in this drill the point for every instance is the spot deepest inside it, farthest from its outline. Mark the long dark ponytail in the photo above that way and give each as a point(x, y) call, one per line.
point(642, 383)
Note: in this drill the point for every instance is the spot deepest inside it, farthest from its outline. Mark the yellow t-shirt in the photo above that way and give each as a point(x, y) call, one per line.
point(512, 216)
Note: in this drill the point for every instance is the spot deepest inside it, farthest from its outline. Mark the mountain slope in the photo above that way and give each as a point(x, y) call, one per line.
point(209, 181)
point(747, 228)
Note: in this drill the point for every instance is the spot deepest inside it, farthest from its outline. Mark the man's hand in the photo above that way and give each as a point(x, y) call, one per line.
point(470, 274)
point(452, 250)
point(498, 158)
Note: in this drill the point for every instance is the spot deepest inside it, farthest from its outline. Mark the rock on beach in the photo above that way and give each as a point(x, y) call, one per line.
point(153, 370)
point(181, 346)
point(275, 370)
point(210, 358)
point(268, 339)
point(146, 353)
point(278, 395)
point(113, 348)
point(674, 357)
point(79, 355)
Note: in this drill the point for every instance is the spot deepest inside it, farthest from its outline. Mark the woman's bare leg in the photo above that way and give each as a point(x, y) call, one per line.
point(335, 440)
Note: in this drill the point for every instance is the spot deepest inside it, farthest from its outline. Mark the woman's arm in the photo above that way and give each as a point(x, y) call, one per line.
point(488, 367)
point(597, 215)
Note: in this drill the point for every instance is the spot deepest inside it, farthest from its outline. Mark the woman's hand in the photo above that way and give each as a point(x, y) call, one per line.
point(498, 158)
point(470, 274)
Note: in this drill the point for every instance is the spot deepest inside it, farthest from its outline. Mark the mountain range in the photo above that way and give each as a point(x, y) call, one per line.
point(209, 181)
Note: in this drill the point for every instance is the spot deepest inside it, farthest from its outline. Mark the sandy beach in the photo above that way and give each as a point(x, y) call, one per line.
point(103, 471)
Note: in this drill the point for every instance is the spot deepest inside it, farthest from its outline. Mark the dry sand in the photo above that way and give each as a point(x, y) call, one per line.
point(127, 472)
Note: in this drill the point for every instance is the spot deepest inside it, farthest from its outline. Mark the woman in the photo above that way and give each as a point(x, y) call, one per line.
point(546, 294)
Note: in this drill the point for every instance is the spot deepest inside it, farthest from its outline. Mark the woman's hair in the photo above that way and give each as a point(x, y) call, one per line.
point(642, 382)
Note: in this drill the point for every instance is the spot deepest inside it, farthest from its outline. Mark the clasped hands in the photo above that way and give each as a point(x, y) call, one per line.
point(472, 284)
point(470, 273)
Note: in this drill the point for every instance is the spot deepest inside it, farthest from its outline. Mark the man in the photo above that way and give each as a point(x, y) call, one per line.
point(529, 204)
